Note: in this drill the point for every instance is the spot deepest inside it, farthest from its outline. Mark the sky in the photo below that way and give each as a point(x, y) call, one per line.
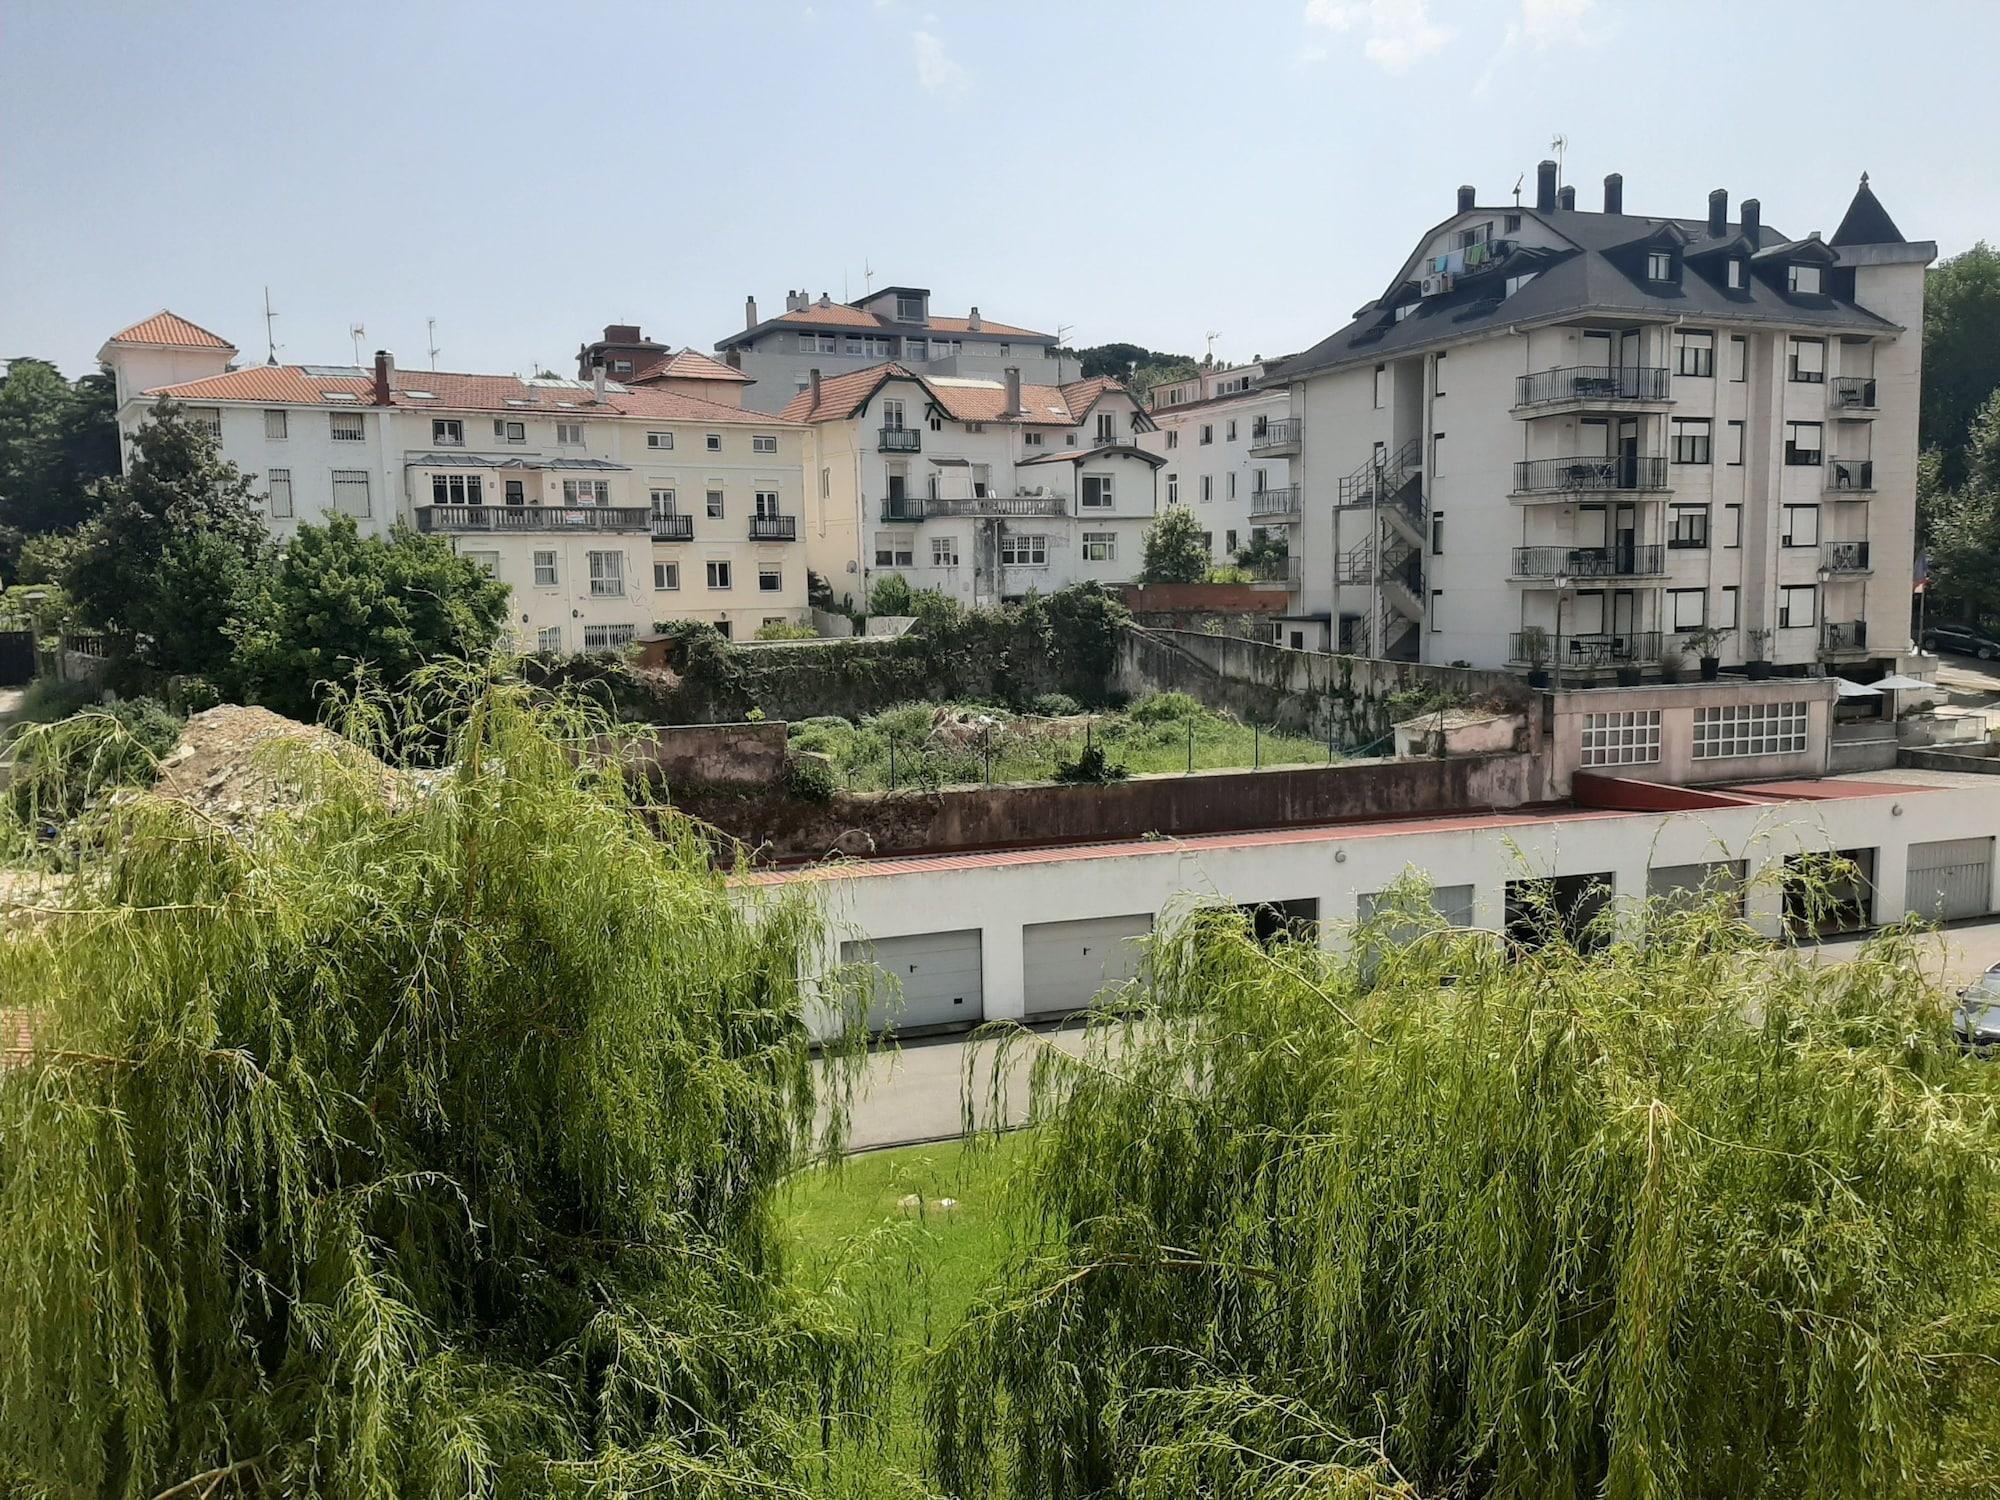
point(1146, 171)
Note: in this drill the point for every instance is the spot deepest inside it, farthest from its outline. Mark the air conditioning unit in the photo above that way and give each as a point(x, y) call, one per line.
point(1434, 286)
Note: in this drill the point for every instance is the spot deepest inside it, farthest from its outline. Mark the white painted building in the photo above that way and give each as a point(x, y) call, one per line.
point(1604, 431)
point(1223, 459)
point(982, 489)
point(893, 324)
point(605, 507)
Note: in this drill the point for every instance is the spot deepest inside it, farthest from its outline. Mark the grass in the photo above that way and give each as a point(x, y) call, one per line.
point(847, 1226)
point(949, 744)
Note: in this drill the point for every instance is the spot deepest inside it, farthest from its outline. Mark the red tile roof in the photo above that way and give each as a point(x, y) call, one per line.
point(292, 385)
point(963, 400)
point(172, 329)
point(843, 315)
point(686, 364)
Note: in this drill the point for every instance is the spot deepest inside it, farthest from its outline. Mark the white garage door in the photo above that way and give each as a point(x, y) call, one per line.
point(1687, 885)
point(936, 973)
point(1950, 878)
point(1452, 902)
point(1065, 964)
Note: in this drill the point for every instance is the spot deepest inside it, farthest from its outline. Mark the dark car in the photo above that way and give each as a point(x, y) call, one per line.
point(1977, 1019)
point(1961, 641)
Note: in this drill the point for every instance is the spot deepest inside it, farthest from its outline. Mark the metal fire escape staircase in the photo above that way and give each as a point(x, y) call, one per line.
point(1389, 556)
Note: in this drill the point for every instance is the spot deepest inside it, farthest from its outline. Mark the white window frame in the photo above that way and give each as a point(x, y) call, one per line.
point(586, 492)
point(1794, 600)
point(1796, 430)
point(714, 504)
point(345, 427)
point(1729, 731)
point(1100, 546)
point(447, 432)
point(1805, 360)
point(712, 441)
point(719, 574)
point(548, 640)
point(666, 577)
point(1024, 550)
point(770, 578)
point(660, 442)
point(1621, 737)
point(352, 480)
point(1694, 354)
point(1798, 526)
point(488, 560)
point(766, 505)
point(279, 484)
point(1659, 265)
point(895, 549)
point(944, 551)
point(277, 424)
point(509, 432)
point(763, 442)
point(1102, 482)
point(1693, 440)
point(1680, 616)
point(607, 574)
point(569, 434)
point(1804, 280)
point(546, 571)
point(608, 637)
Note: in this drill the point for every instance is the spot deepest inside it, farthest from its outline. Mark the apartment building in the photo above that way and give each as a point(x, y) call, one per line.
point(1222, 436)
point(1574, 438)
point(605, 507)
point(896, 325)
point(983, 489)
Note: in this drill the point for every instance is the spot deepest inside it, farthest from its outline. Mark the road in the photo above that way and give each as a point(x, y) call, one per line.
point(914, 1093)
point(1971, 686)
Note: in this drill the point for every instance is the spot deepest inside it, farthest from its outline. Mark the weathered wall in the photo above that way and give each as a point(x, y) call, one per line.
point(782, 828)
point(1203, 599)
point(1972, 758)
point(1305, 692)
point(714, 754)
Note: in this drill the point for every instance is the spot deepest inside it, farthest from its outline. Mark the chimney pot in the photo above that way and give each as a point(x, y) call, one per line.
point(972, 323)
point(1465, 197)
point(385, 377)
point(1566, 198)
point(1718, 213)
point(1753, 218)
point(749, 312)
point(1013, 407)
point(1545, 185)
point(597, 379)
point(1614, 193)
point(815, 390)
point(825, 300)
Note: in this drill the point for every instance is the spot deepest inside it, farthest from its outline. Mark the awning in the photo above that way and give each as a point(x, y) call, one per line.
point(1856, 689)
point(452, 461)
point(947, 463)
point(1896, 682)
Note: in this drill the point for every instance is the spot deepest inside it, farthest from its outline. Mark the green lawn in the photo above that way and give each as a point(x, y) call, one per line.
point(848, 1225)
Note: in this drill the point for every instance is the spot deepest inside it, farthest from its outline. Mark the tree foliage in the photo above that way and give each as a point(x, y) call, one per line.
point(1963, 524)
point(1139, 367)
point(1679, 1221)
point(56, 438)
point(335, 600)
point(1961, 352)
point(1174, 550)
point(423, 1145)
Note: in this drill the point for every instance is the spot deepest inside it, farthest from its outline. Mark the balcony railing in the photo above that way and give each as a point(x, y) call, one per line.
point(774, 528)
point(1626, 648)
point(1590, 384)
point(673, 528)
point(903, 508)
point(1638, 561)
point(1851, 393)
point(1281, 432)
point(1000, 505)
point(1844, 475)
point(1844, 557)
point(1843, 635)
point(1275, 570)
point(1267, 505)
point(1558, 476)
point(899, 440)
point(533, 518)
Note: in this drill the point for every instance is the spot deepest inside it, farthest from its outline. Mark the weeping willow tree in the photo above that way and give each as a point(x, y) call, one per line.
point(1445, 1219)
point(422, 1144)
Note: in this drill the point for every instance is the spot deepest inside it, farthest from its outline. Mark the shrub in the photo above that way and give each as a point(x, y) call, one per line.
point(193, 695)
point(1055, 705)
point(810, 779)
point(906, 723)
point(1162, 708)
point(785, 630)
point(48, 699)
point(61, 769)
point(892, 595)
point(1090, 768)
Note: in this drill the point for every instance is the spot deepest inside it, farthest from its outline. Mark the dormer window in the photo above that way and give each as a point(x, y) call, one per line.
point(1734, 274)
point(1403, 310)
point(909, 309)
point(1659, 265)
point(1803, 278)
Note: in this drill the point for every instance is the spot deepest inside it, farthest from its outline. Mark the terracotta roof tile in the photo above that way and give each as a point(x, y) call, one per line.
point(964, 400)
point(842, 315)
point(172, 329)
point(686, 364)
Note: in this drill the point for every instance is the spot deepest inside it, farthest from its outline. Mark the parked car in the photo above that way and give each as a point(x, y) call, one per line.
point(1977, 1019)
point(1961, 640)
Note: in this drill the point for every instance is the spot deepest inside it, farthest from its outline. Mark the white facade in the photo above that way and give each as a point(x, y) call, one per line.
point(1214, 433)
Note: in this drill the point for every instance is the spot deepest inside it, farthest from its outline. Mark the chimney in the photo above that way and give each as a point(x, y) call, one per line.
point(815, 390)
point(1465, 198)
point(597, 379)
point(1718, 213)
point(824, 300)
point(1545, 186)
point(734, 357)
point(1753, 218)
point(972, 323)
point(1614, 193)
point(385, 376)
point(1013, 406)
point(749, 312)
point(1566, 198)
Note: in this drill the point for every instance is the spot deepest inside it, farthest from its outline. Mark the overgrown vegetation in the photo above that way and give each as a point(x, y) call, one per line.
point(73, 759)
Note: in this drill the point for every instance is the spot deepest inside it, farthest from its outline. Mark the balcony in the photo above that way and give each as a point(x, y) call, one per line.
point(1588, 476)
point(1000, 505)
point(1275, 570)
point(902, 508)
point(1591, 388)
point(1844, 558)
point(1851, 396)
point(1277, 438)
point(899, 440)
point(439, 518)
point(1281, 504)
point(1539, 563)
point(1843, 638)
point(1850, 476)
point(1625, 648)
point(774, 528)
point(673, 528)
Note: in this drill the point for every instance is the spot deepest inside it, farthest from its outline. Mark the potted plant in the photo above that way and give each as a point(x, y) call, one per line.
point(1756, 665)
point(1535, 652)
point(1703, 644)
point(1673, 656)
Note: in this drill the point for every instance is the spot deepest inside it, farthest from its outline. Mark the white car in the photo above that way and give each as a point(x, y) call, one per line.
point(1977, 1019)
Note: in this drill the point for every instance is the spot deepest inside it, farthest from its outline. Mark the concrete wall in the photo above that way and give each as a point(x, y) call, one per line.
point(1197, 599)
point(713, 754)
point(1676, 705)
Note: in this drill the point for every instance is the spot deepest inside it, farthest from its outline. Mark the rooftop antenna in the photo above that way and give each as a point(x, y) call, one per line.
point(1211, 337)
point(270, 338)
point(1517, 188)
point(1559, 145)
point(867, 278)
point(356, 332)
point(431, 338)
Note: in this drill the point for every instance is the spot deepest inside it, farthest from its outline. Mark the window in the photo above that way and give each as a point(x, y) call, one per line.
point(1732, 273)
point(1695, 353)
point(1229, 540)
point(277, 426)
point(1732, 525)
point(621, 367)
point(1739, 358)
point(909, 309)
point(1034, 440)
point(1107, 426)
point(207, 418)
point(663, 501)
point(586, 492)
point(1691, 440)
point(1437, 533)
point(607, 575)
point(1207, 488)
point(1097, 491)
point(516, 495)
point(915, 349)
point(1100, 546)
point(1807, 361)
point(545, 568)
point(895, 549)
point(1437, 454)
point(892, 414)
point(1005, 350)
point(1732, 444)
point(944, 551)
point(569, 434)
point(763, 442)
point(457, 489)
point(1725, 610)
point(510, 432)
point(1229, 431)
point(1802, 444)
point(1659, 265)
point(607, 637)
point(548, 640)
point(1690, 527)
point(1207, 433)
point(1173, 437)
point(1515, 283)
point(350, 492)
point(1232, 484)
point(1381, 386)
point(1801, 525)
point(818, 343)
point(666, 577)
point(770, 580)
point(345, 426)
point(765, 505)
point(1803, 279)
point(1627, 737)
point(490, 561)
point(1749, 729)
point(715, 505)
point(1024, 551)
point(825, 483)
point(280, 484)
point(447, 432)
point(1437, 376)
point(1173, 489)
point(713, 442)
point(1798, 606)
point(1437, 611)
point(718, 575)
point(1687, 608)
point(662, 441)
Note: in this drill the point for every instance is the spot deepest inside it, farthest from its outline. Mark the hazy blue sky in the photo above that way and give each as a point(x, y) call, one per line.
point(525, 173)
